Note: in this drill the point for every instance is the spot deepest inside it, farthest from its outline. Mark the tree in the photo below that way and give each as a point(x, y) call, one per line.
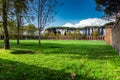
point(46, 34)
point(95, 33)
point(1, 30)
point(52, 35)
point(12, 29)
point(46, 12)
point(68, 35)
point(76, 34)
point(4, 18)
point(30, 29)
point(21, 10)
point(58, 35)
point(110, 7)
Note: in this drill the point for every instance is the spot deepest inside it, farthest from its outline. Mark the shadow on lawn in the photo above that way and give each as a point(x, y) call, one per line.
point(11, 70)
point(22, 52)
point(103, 52)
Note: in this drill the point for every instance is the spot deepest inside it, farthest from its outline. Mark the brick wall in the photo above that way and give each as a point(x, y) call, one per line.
point(108, 37)
point(116, 36)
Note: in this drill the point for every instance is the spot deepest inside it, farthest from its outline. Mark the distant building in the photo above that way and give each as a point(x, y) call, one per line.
point(86, 30)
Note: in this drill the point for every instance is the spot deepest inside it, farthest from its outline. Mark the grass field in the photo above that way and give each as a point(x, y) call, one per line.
point(59, 60)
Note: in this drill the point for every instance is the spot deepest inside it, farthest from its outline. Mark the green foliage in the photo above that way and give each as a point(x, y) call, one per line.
point(57, 35)
point(12, 29)
point(30, 29)
point(95, 33)
point(83, 36)
point(76, 34)
point(59, 60)
point(68, 34)
point(110, 7)
point(46, 34)
point(52, 35)
point(1, 30)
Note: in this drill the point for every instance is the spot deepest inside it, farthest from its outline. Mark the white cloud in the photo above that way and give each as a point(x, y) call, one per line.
point(88, 22)
point(68, 25)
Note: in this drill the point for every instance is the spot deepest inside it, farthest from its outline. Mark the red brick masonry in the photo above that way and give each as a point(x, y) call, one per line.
point(108, 37)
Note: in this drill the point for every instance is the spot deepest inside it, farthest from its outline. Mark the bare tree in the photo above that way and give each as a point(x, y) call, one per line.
point(46, 12)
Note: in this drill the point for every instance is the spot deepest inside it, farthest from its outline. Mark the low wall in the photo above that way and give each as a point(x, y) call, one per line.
point(116, 36)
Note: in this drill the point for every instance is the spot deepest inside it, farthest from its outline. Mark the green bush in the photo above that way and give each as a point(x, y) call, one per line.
point(76, 34)
point(52, 35)
point(58, 35)
point(83, 36)
point(95, 33)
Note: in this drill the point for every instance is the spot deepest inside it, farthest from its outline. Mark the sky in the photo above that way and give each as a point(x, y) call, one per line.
point(76, 12)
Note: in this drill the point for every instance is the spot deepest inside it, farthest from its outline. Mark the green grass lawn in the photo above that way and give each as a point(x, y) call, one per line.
point(59, 60)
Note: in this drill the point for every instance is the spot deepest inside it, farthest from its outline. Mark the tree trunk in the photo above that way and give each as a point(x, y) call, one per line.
point(39, 38)
point(39, 21)
point(18, 30)
point(6, 36)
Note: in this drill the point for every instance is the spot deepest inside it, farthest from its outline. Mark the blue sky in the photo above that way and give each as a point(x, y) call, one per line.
point(73, 11)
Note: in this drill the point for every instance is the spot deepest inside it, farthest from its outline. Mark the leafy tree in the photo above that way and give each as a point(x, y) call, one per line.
point(12, 29)
point(21, 11)
point(68, 34)
point(95, 33)
point(110, 7)
point(1, 30)
point(30, 29)
point(52, 35)
point(83, 36)
point(46, 34)
point(13, 9)
point(58, 35)
point(76, 34)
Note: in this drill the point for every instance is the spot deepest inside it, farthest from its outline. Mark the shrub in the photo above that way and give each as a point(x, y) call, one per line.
point(83, 36)
point(76, 34)
point(58, 35)
point(68, 35)
point(52, 35)
point(95, 33)
point(46, 34)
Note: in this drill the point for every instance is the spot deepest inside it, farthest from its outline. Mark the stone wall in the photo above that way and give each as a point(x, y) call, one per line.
point(116, 36)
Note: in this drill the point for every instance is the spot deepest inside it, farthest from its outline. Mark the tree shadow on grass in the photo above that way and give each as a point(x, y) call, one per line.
point(12, 70)
point(22, 52)
point(102, 52)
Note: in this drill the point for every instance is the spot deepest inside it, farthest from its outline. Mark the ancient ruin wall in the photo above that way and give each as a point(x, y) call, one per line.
point(116, 36)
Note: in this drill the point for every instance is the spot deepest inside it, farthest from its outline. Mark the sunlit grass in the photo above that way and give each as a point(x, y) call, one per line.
point(59, 60)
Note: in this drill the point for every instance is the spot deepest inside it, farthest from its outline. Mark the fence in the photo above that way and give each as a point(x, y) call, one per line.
point(97, 38)
point(88, 37)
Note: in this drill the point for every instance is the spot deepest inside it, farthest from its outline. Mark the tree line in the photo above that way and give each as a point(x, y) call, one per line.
point(18, 12)
point(22, 11)
point(26, 30)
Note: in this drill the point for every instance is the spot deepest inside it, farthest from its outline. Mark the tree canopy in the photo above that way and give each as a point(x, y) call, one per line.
point(110, 7)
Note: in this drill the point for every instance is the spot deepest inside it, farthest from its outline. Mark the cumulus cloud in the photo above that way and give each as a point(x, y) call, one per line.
point(68, 25)
point(88, 22)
